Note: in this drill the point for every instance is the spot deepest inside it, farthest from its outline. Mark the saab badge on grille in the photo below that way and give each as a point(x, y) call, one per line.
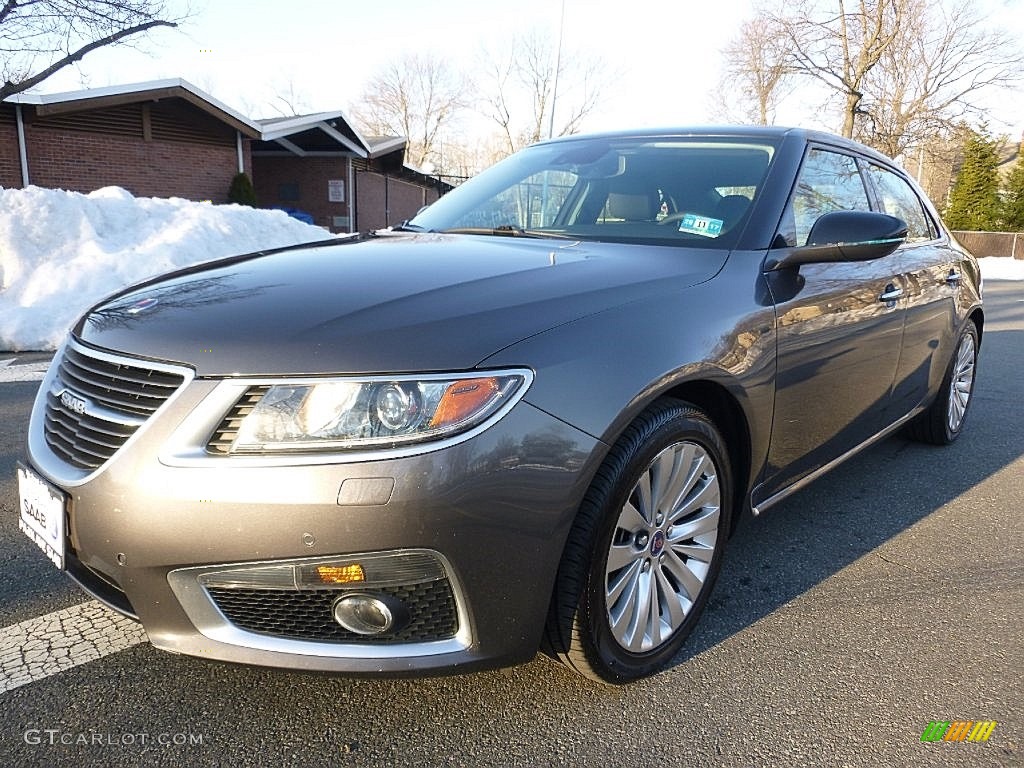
point(72, 402)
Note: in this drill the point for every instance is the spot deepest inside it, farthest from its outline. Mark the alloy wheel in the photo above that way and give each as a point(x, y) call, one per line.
point(662, 547)
point(962, 382)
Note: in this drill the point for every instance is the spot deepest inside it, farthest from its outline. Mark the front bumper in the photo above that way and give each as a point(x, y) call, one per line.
point(494, 511)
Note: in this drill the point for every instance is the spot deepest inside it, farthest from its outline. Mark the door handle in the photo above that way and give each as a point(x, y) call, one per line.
point(953, 278)
point(891, 293)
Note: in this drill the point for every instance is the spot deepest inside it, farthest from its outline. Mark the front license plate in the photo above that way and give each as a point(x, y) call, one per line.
point(42, 514)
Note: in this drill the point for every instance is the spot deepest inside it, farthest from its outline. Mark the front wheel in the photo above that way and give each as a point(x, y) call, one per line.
point(942, 422)
point(645, 549)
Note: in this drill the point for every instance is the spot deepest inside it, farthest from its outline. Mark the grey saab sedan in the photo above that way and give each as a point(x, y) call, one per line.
point(528, 418)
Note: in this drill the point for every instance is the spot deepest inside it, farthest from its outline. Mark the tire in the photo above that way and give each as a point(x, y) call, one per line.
point(625, 547)
point(942, 422)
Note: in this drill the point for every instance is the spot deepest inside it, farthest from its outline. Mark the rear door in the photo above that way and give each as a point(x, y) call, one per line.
point(929, 276)
point(840, 329)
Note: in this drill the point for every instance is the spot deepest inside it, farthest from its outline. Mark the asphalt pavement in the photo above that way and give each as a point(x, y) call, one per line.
point(885, 596)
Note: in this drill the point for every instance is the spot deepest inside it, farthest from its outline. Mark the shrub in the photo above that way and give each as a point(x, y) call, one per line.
point(241, 190)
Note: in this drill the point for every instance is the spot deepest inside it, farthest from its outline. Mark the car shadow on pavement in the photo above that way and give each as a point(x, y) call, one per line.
point(862, 504)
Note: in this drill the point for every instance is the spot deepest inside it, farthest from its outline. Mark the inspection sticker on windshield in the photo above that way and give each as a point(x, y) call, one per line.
point(700, 225)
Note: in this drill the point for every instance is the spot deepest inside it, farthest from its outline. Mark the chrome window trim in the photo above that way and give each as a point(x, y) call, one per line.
point(213, 624)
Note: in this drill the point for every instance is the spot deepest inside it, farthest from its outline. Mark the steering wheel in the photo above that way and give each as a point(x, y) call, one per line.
point(672, 218)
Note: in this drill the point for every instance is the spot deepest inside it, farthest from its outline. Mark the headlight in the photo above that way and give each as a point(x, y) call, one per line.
point(374, 412)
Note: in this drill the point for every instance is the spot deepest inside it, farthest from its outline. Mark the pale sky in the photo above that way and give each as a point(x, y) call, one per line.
point(664, 56)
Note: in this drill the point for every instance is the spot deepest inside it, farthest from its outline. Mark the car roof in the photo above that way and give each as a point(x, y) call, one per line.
point(772, 132)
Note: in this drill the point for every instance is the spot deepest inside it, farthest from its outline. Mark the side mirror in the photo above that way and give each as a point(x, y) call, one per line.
point(846, 236)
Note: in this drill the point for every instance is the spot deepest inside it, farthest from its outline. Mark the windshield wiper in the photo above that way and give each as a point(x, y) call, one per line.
point(405, 226)
point(507, 230)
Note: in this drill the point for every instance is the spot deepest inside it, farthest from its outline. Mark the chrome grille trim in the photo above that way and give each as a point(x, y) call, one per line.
point(95, 401)
point(121, 385)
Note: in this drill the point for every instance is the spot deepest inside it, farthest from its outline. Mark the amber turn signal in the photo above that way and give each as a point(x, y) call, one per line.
point(463, 399)
point(340, 574)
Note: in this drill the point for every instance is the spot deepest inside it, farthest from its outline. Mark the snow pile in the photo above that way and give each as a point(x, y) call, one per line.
point(60, 252)
point(1001, 268)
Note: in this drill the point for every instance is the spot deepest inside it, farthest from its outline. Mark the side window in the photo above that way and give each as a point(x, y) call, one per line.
point(898, 199)
point(828, 181)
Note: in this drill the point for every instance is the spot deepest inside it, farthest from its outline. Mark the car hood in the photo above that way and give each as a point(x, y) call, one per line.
point(392, 304)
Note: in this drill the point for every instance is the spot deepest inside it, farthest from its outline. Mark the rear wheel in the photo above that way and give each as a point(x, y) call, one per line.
point(645, 549)
point(942, 422)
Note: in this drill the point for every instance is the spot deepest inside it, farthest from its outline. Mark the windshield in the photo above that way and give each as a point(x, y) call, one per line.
point(663, 191)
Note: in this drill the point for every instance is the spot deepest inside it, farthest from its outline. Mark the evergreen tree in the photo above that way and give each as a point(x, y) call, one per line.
point(974, 201)
point(241, 191)
point(1013, 204)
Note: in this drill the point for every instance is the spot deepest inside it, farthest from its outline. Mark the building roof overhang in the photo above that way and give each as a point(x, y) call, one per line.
point(117, 95)
point(324, 132)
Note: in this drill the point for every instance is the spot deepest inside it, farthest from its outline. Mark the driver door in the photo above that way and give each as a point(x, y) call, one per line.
point(840, 329)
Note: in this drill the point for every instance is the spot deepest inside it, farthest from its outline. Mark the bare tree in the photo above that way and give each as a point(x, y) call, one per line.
point(929, 81)
point(840, 42)
point(905, 71)
point(758, 71)
point(418, 97)
point(521, 82)
point(40, 37)
point(289, 99)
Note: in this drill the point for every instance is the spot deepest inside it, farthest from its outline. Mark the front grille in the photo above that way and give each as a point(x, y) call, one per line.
point(118, 397)
point(309, 615)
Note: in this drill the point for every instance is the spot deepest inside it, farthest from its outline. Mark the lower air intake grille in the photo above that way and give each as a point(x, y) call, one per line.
point(309, 615)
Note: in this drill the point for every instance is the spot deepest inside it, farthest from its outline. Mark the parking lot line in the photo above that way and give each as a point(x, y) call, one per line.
point(11, 371)
point(47, 645)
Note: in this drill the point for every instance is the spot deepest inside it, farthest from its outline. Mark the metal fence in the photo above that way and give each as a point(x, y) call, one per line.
point(983, 244)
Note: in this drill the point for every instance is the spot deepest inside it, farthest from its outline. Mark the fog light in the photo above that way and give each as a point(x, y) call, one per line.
point(366, 614)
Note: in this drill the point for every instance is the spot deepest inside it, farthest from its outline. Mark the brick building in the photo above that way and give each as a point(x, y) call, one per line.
point(169, 139)
point(322, 165)
point(159, 139)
